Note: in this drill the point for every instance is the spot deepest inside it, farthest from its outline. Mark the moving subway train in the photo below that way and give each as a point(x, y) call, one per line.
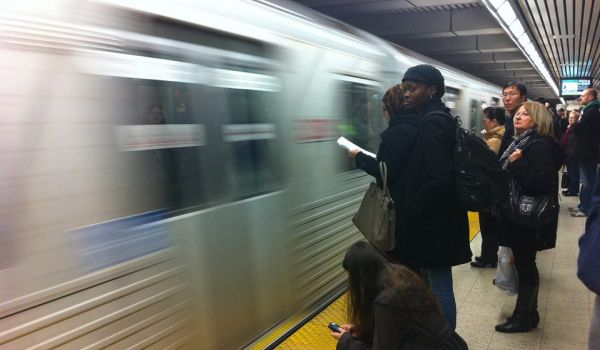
point(170, 176)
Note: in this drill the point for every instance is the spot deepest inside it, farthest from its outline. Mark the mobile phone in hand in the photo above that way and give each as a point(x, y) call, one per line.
point(335, 327)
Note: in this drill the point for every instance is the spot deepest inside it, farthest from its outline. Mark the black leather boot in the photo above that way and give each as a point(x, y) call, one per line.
point(535, 315)
point(522, 318)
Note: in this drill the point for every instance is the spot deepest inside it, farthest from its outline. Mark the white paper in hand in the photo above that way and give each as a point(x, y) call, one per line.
point(344, 142)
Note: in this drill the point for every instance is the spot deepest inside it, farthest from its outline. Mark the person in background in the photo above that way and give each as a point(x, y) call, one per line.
point(532, 160)
point(572, 163)
point(435, 229)
point(587, 144)
point(390, 307)
point(493, 122)
point(513, 95)
point(564, 118)
point(556, 118)
point(155, 115)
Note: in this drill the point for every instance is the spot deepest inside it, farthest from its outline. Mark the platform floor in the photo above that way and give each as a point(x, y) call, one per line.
point(564, 303)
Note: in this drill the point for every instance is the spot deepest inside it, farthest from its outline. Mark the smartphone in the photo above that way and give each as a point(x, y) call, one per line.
point(335, 327)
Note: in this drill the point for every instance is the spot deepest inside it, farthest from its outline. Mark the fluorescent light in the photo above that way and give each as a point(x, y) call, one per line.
point(517, 29)
point(507, 13)
point(530, 49)
point(524, 40)
point(496, 3)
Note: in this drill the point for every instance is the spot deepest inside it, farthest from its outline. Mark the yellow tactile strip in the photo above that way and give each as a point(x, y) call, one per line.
point(473, 224)
point(315, 335)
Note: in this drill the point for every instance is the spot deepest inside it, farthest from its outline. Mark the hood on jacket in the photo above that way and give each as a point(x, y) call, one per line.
point(497, 132)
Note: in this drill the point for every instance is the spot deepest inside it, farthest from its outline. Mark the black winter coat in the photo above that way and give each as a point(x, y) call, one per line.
point(395, 149)
point(433, 229)
point(587, 135)
point(537, 174)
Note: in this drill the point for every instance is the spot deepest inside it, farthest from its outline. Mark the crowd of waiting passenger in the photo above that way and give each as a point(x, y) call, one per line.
point(403, 298)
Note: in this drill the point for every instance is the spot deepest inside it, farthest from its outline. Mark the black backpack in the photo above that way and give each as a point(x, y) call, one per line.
point(479, 180)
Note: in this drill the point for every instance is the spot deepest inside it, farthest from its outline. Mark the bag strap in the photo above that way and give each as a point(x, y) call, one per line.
point(383, 172)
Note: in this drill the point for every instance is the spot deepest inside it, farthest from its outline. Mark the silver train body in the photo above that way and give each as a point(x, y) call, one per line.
point(170, 176)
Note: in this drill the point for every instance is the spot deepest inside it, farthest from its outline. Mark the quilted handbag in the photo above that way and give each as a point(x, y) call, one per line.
point(376, 218)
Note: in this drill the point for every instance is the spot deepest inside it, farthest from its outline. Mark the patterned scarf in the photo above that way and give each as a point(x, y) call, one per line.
point(520, 141)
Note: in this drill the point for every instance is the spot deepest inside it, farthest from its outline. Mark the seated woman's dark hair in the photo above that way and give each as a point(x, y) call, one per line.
point(495, 113)
point(393, 100)
point(369, 276)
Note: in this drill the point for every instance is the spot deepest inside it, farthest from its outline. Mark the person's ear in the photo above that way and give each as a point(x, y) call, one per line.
point(432, 91)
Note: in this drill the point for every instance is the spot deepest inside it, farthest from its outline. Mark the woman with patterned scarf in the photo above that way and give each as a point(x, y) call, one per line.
point(532, 160)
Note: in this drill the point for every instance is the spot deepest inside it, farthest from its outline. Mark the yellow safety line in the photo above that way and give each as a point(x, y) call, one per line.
point(315, 335)
point(473, 224)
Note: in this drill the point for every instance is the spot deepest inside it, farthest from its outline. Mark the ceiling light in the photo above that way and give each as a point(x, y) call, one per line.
point(507, 13)
point(517, 29)
point(524, 40)
point(496, 3)
point(564, 36)
point(530, 49)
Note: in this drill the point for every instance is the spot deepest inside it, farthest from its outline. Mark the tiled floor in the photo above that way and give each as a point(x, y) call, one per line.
point(564, 302)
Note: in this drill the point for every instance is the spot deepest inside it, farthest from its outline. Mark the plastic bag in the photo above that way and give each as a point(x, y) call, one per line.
point(506, 273)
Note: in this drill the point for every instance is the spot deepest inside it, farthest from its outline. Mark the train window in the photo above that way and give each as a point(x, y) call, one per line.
point(476, 116)
point(190, 33)
point(164, 137)
point(450, 99)
point(363, 117)
point(250, 143)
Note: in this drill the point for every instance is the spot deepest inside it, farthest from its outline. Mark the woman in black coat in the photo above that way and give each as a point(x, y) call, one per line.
point(532, 160)
point(396, 144)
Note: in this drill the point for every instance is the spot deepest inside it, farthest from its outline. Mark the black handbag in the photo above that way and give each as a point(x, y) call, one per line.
point(529, 210)
point(376, 218)
point(564, 180)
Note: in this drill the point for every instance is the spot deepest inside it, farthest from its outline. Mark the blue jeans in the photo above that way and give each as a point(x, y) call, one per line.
point(587, 176)
point(440, 281)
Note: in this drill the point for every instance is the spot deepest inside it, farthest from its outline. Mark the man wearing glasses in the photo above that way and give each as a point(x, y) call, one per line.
point(587, 143)
point(514, 94)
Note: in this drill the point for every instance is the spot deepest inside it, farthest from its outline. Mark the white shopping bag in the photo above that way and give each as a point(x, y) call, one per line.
point(506, 273)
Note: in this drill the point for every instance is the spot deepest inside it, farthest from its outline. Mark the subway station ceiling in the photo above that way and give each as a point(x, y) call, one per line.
point(466, 35)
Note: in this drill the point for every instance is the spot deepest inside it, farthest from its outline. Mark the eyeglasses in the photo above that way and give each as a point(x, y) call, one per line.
point(511, 94)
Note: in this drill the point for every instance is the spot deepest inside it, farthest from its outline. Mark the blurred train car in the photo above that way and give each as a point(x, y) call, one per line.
point(170, 177)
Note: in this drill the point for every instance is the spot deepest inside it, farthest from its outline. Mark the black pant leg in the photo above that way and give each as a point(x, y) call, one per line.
point(489, 236)
point(524, 250)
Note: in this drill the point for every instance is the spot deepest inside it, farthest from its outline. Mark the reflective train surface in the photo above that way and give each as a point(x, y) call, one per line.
point(169, 173)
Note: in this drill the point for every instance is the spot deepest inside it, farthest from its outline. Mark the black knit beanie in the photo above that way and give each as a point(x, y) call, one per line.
point(426, 74)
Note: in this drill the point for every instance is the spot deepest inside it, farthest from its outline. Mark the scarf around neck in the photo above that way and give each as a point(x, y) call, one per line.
point(520, 141)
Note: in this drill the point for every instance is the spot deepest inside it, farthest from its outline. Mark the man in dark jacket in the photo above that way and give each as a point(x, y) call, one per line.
point(587, 147)
point(514, 94)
